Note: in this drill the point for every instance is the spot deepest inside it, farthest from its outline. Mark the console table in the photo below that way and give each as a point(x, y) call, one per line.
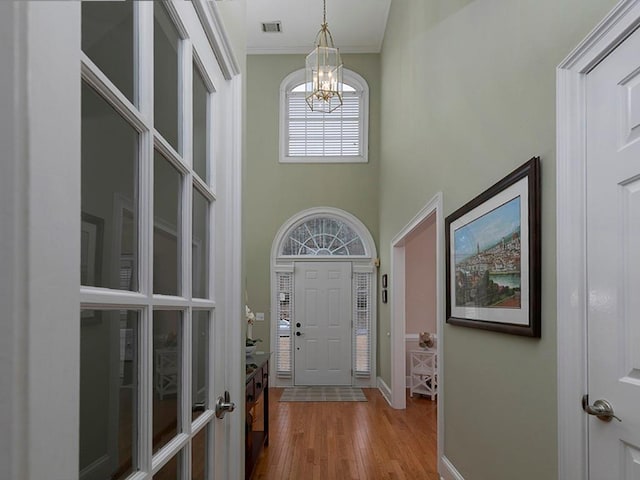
point(257, 409)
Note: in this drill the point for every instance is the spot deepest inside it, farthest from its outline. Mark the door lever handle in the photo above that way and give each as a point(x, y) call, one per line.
point(224, 405)
point(600, 408)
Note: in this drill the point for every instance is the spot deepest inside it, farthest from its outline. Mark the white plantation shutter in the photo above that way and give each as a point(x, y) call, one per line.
point(362, 324)
point(284, 345)
point(318, 134)
point(312, 136)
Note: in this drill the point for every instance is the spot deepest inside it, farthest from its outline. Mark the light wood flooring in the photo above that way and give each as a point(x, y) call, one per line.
point(349, 440)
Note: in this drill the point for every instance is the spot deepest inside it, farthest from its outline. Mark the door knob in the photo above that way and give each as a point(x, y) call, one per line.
point(224, 405)
point(298, 334)
point(600, 408)
point(298, 324)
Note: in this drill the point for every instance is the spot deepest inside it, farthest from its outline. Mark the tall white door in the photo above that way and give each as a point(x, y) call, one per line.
point(613, 263)
point(159, 262)
point(322, 323)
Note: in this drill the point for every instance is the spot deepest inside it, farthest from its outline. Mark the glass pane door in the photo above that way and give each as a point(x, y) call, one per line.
point(152, 354)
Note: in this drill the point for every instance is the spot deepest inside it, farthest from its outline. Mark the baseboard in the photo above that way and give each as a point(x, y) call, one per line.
point(384, 390)
point(449, 472)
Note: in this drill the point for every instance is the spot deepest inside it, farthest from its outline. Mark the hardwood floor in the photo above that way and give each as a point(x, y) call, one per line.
point(349, 440)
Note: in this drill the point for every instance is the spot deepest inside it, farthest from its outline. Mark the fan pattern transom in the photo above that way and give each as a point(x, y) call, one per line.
point(323, 236)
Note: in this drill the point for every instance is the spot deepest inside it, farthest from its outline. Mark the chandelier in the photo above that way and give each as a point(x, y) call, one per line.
point(323, 90)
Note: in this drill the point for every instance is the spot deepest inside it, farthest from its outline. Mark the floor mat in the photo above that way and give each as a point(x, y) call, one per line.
point(323, 394)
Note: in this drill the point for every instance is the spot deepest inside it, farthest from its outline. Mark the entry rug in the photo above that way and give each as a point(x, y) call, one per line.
point(323, 394)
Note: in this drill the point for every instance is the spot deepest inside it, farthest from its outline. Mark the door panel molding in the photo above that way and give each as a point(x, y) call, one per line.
point(572, 295)
point(323, 307)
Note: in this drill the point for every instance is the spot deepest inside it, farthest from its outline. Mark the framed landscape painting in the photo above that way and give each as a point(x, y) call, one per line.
point(493, 256)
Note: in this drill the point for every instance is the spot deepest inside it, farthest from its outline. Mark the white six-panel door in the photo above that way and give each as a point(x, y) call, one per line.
point(613, 260)
point(322, 323)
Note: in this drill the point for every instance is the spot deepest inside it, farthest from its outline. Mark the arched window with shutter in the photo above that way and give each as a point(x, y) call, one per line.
point(316, 137)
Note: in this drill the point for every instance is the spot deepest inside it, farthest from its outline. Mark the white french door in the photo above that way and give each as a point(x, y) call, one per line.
point(322, 323)
point(613, 262)
point(158, 215)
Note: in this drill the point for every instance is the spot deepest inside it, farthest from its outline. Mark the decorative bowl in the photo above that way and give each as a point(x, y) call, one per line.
point(249, 349)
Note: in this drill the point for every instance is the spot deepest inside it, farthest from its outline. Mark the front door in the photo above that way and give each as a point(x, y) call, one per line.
point(613, 260)
point(322, 323)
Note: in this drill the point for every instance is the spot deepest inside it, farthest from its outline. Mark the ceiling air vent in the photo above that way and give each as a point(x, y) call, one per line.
point(272, 27)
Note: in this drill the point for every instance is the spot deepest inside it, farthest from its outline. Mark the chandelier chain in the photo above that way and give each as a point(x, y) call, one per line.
point(324, 11)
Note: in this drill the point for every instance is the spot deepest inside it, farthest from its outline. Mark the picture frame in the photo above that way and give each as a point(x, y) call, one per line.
point(493, 257)
point(384, 280)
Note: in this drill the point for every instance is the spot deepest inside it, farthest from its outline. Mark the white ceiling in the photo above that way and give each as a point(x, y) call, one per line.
point(357, 26)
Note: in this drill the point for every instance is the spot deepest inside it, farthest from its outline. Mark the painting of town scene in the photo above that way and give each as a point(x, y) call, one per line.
point(487, 259)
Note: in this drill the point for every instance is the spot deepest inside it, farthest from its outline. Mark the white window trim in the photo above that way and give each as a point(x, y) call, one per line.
point(360, 264)
point(350, 78)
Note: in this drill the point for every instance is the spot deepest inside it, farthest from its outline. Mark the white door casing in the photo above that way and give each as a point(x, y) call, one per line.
point(396, 394)
point(39, 241)
point(578, 301)
point(322, 342)
point(613, 259)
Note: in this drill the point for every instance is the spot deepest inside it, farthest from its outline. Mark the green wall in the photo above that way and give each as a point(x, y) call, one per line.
point(468, 95)
point(274, 192)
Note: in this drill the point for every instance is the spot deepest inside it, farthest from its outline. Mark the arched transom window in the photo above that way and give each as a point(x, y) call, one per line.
point(323, 236)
